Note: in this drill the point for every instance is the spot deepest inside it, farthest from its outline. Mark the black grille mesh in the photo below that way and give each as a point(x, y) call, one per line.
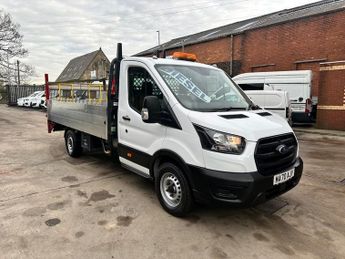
point(269, 160)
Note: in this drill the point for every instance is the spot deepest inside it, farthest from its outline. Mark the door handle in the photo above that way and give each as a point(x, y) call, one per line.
point(126, 118)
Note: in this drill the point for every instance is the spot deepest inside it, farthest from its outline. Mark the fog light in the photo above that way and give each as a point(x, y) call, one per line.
point(225, 194)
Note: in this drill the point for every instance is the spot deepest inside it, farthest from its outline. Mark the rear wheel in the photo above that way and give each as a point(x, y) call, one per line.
point(173, 191)
point(73, 143)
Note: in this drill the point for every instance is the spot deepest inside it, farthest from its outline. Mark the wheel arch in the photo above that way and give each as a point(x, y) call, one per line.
point(165, 155)
point(66, 129)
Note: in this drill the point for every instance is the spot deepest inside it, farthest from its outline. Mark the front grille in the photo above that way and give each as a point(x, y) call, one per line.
point(267, 157)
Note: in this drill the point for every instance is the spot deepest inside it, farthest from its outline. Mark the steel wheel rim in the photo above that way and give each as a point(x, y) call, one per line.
point(171, 191)
point(70, 145)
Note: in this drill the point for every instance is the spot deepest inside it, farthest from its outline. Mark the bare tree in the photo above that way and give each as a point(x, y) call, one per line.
point(11, 48)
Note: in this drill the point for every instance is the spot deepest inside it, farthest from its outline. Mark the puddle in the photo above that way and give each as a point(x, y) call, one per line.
point(57, 205)
point(124, 221)
point(69, 179)
point(102, 222)
point(100, 196)
point(260, 237)
point(79, 234)
point(52, 222)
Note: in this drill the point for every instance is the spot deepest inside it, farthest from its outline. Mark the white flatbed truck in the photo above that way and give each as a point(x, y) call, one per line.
point(165, 119)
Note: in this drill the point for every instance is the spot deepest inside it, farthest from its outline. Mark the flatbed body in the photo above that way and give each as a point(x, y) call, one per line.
point(86, 117)
point(85, 114)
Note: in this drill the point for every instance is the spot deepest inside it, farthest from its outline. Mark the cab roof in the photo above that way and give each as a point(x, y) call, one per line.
point(167, 61)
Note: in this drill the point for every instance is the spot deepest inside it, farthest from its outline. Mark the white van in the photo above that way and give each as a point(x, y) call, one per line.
point(296, 83)
point(187, 127)
point(275, 101)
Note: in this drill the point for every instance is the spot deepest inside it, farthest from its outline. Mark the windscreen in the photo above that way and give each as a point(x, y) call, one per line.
point(202, 89)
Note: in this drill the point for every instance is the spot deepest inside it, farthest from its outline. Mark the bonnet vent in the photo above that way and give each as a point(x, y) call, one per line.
point(264, 114)
point(233, 116)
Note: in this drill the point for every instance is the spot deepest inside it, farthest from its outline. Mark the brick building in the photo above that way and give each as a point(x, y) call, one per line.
point(294, 39)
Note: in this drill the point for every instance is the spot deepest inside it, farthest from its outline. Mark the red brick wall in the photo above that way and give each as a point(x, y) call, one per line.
point(209, 52)
point(319, 37)
point(297, 45)
point(332, 84)
point(313, 38)
point(331, 107)
point(331, 119)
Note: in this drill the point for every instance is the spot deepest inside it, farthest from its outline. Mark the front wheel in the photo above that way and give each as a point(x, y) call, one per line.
point(73, 143)
point(173, 191)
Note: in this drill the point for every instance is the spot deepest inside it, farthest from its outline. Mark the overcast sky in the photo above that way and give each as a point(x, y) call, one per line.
point(57, 31)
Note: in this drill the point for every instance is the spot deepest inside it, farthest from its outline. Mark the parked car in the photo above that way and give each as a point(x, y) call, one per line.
point(38, 101)
point(277, 102)
point(297, 83)
point(43, 101)
point(31, 99)
point(20, 101)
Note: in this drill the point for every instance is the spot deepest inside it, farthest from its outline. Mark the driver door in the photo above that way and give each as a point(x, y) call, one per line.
point(137, 140)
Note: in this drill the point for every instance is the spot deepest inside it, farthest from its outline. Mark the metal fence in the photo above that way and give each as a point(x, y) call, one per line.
point(15, 92)
point(3, 95)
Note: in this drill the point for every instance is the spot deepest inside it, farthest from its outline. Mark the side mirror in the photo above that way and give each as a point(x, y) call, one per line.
point(151, 111)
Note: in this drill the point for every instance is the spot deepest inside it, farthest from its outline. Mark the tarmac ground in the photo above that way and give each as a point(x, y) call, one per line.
point(54, 206)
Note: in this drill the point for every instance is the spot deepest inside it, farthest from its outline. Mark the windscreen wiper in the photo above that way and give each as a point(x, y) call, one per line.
point(226, 109)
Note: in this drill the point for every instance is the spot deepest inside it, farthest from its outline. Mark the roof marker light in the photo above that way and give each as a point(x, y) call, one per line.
point(184, 56)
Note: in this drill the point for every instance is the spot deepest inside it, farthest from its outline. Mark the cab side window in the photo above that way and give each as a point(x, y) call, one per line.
point(140, 85)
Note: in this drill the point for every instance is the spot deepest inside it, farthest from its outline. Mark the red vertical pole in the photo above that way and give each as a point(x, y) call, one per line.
point(50, 124)
point(46, 87)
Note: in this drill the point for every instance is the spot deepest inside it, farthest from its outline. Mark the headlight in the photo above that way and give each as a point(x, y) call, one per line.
point(219, 141)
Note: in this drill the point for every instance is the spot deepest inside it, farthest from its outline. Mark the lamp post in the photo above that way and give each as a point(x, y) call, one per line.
point(18, 73)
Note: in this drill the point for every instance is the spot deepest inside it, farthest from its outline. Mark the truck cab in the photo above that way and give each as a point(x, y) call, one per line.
point(164, 122)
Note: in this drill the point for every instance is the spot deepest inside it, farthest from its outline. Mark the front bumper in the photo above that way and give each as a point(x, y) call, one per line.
point(239, 189)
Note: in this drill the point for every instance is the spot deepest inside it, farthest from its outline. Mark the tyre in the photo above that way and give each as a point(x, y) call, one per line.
point(73, 143)
point(173, 191)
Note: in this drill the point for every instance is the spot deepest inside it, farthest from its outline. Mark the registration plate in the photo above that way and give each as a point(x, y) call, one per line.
point(283, 177)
